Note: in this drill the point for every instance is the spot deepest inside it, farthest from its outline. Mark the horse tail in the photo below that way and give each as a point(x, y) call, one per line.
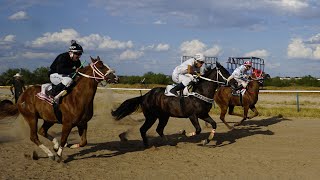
point(8, 109)
point(127, 107)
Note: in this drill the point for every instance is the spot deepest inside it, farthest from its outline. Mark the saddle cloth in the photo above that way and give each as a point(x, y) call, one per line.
point(42, 94)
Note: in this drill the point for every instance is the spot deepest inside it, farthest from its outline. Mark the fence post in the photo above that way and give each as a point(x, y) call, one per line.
point(298, 108)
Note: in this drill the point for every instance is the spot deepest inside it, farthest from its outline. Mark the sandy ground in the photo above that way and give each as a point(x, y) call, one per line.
point(262, 148)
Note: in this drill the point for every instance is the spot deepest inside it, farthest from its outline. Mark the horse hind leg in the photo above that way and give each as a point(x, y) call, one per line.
point(214, 127)
point(150, 120)
point(44, 132)
point(33, 124)
point(163, 121)
point(223, 115)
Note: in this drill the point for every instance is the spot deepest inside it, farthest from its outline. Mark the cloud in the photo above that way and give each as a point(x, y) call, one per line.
point(159, 22)
point(34, 55)
point(130, 55)
point(158, 47)
point(297, 49)
point(7, 41)
point(262, 53)
point(91, 42)
point(190, 48)
point(21, 15)
point(207, 13)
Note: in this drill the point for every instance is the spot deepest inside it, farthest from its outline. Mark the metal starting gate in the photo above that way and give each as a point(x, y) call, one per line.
point(209, 62)
point(257, 64)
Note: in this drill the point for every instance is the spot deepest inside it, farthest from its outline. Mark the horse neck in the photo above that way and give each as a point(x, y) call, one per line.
point(208, 88)
point(86, 87)
point(253, 88)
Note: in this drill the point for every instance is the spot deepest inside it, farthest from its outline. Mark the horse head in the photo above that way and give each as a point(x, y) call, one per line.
point(101, 71)
point(218, 74)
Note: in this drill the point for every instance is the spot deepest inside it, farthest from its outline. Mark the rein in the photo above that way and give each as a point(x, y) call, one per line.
point(96, 72)
point(216, 81)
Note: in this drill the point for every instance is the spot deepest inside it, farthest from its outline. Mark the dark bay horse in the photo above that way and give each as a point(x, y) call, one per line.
point(76, 107)
point(225, 100)
point(156, 105)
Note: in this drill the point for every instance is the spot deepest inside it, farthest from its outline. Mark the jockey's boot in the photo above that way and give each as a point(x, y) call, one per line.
point(60, 91)
point(177, 88)
point(55, 90)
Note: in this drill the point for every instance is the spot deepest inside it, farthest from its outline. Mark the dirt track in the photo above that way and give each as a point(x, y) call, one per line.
point(263, 148)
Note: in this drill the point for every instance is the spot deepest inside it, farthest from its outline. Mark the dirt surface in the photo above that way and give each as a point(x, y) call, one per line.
point(262, 148)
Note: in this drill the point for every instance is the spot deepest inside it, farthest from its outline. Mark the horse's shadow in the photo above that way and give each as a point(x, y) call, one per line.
point(248, 128)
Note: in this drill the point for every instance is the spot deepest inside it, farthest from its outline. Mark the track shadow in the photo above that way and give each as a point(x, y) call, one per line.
point(249, 128)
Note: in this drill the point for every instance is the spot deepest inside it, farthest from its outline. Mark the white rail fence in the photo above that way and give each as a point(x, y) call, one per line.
point(261, 91)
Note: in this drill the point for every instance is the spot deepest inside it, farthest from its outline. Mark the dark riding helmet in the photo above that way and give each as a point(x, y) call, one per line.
point(75, 47)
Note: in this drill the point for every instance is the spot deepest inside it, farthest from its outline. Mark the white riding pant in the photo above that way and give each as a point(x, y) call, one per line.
point(244, 82)
point(56, 79)
point(185, 79)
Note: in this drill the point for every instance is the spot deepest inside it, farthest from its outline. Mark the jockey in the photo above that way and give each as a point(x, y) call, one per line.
point(240, 74)
point(63, 68)
point(182, 74)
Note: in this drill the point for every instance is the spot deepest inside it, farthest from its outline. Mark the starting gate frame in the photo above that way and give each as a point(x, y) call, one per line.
point(257, 64)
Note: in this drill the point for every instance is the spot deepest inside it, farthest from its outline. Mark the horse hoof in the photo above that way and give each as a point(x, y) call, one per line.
point(182, 131)
point(205, 142)
point(35, 155)
point(74, 146)
point(59, 159)
point(123, 137)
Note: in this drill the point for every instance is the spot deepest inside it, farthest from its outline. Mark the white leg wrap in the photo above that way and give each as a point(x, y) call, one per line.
point(55, 143)
point(60, 151)
point(46, 150)
point(75, 146)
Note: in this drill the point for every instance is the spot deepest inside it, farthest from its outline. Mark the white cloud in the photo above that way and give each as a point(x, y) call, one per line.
point(159, 22)
point(162, 47)
point(297, 49)
point(289, 5)
point(9, 38)
point(129, 54)
point(316, 53)
point(158, 47)
point(262, 53)
point(190, 48)
point(21, 15)
point(91, 42)
point(34, 55)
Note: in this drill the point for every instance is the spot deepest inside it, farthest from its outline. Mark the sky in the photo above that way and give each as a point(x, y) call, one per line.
point(138, 36)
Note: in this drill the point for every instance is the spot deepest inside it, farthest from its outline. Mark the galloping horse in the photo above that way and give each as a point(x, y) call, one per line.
point(76, 107)
point(156, 105)
point(225, 100)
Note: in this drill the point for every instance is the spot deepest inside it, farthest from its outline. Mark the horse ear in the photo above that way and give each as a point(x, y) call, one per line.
point(92, 60)
point(98, 58)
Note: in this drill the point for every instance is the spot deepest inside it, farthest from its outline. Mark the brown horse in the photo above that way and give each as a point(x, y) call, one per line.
point(76, 107)
point(225, 100)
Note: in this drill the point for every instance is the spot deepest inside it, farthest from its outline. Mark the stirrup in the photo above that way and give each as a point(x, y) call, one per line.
point(62, 93)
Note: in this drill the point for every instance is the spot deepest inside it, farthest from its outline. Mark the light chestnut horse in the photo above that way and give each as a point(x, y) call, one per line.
point(226, 100)
point(76, 107)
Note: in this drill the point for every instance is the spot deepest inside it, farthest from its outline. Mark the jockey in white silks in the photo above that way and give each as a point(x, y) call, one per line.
point(182, 74)
point(240, 74)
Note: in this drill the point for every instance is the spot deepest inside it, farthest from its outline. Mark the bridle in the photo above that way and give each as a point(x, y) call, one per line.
point(97, 74)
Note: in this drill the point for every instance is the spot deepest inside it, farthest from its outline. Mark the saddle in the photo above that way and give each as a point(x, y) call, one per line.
point(185, 92)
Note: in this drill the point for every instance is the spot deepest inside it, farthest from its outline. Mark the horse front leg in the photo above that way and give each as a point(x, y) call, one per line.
point(208, 119)
point(254, 110)
point(66, 129)
point(195, 122)
point(245, 115)
point(82, 130)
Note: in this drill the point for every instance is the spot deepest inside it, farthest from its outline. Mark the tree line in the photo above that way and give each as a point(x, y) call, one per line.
point(40, 76)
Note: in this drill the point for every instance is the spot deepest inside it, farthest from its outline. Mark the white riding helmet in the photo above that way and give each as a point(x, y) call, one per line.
point(199, 57)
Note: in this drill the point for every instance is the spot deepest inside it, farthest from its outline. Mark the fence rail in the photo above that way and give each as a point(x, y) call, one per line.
point(261, 91)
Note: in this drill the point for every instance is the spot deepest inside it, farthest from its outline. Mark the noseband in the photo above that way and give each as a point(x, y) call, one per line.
point(97, 74)
point(217, 79)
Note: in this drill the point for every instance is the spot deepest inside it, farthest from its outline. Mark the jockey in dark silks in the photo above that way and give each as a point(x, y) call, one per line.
point(62, 69)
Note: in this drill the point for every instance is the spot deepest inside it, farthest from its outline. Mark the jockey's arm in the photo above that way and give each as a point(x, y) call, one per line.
point(190, 69)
